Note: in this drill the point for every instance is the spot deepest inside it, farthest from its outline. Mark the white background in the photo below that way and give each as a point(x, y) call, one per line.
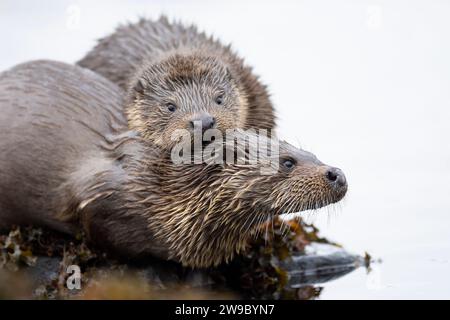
point(362, 84)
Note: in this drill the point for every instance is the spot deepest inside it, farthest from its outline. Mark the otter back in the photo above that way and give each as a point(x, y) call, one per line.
point(53, 115)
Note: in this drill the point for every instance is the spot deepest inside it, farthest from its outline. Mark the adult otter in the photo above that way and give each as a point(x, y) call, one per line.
point(68, 161)
point(175, 76)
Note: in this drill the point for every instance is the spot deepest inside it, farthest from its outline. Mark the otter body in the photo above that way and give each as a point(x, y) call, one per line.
point(166, 65)
point(62, 131)
point(69, 162)
point(51, 122)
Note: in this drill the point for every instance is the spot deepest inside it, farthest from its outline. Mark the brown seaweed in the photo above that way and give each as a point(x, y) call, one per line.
point(37, 260)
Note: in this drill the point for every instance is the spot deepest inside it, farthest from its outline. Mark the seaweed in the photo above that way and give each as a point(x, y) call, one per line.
point(37, 259)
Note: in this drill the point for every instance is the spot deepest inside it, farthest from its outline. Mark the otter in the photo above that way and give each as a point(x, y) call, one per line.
point(176, 76)
point(68, 161)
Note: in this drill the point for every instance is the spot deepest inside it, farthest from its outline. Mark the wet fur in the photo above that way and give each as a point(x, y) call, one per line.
point(69, 162)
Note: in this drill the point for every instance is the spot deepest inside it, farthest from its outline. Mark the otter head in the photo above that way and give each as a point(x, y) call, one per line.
point(184, 91)
point(215, 208)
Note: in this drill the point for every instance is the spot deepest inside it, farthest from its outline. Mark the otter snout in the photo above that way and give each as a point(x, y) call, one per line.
point(336, 179)
point(203, 121)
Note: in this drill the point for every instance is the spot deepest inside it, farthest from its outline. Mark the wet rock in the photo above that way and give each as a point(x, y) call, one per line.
point(286, 260)
point(319, 264)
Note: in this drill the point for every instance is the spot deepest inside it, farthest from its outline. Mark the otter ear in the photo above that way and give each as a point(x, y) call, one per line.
point(139, 87)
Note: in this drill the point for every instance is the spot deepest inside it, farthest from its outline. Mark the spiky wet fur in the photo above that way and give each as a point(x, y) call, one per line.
point(200, 215)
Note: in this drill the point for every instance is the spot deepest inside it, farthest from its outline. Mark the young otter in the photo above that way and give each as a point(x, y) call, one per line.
point(176, 76)
point(68, 161)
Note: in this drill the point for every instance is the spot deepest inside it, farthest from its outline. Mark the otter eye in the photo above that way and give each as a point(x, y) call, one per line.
point(171, 107)
point(288, 164)
point(219, 99)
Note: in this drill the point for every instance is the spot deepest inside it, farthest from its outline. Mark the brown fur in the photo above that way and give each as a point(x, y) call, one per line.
point(68, 161)
point(161, 59)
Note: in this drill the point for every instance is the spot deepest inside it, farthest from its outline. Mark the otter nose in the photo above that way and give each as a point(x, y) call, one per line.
point(336, 178)
point(203, 121)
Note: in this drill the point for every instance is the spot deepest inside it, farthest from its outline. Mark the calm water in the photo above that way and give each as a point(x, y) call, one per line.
point(364, 86)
